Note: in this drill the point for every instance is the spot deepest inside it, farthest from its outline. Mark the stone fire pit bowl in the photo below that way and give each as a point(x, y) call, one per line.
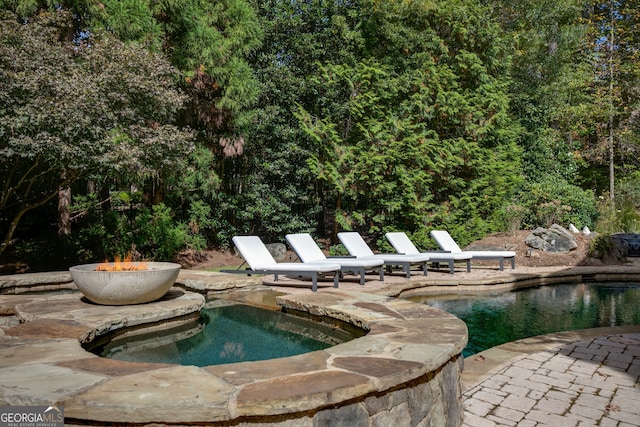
point(125, 287)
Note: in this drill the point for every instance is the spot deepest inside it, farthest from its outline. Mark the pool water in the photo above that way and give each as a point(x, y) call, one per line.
point(228, 334)
point(512, 315)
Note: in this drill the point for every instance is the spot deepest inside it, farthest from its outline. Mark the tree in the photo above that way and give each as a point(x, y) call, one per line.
point(414, 130)
point(613, 42)
point(70, 110)
point(551, 97)
point(548, 79)
point(208, 41)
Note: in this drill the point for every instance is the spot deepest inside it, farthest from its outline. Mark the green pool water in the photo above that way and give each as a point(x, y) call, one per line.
point(228, 334)
point(508, 316)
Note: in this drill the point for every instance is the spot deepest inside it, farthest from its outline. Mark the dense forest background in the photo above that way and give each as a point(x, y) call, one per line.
point(155, 126)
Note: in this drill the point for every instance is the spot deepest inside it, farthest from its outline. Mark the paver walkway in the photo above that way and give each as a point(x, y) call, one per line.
point(594, 382)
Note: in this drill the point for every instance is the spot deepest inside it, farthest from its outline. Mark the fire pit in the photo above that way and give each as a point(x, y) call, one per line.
point(136, 285)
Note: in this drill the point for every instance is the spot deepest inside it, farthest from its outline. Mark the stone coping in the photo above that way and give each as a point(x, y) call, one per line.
point(479, 279)
point(42, 360)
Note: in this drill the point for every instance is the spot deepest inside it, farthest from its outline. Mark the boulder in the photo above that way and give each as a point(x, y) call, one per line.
point(277, 250)
point(610, 250)
point(629, 241)
point(554, 239)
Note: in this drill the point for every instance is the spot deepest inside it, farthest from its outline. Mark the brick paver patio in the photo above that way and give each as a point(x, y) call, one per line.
point(594, 382)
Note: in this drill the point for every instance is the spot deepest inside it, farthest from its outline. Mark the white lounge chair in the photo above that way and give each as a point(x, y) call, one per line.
point(446, 242)
point(402, 244)
point(355, 244)
point(309, 251)
point(260, 261)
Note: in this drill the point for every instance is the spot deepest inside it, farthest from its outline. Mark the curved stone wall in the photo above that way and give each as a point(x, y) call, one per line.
point(405, 371)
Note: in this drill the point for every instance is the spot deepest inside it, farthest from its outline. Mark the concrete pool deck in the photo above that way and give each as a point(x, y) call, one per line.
point(577, 378)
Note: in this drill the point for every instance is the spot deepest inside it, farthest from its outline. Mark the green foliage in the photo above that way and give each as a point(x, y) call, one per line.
point(552, 201)
point(613, 38)
point(314, 116)
point(624, 215)
point(604, 247)
point(68, 111)
point(160, 236)
point(153, 234)
point(548, 82)
point(403, 139)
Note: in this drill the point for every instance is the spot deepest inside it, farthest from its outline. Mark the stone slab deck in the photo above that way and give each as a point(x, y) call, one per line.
point(42, 362)
point(577, 378)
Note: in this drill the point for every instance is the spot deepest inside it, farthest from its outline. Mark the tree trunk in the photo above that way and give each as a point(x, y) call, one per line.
point(64, 215)
point(611, 146)
point(158, 191)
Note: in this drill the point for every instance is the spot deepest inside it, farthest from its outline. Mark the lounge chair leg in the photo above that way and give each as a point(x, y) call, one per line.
point(362, 273)
point(501, 264)
point(381, 274)
point(425, 269)
point(335, 280)
point(451, 268)
point(513, 263)
point(407, 270)
point(314, 282)
point(468, 266)
point(275, 277)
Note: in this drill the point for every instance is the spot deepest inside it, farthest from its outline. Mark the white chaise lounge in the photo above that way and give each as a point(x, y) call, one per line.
point(446, 242)
point(308, 251)
point(355, 244)
point(403, 245)
point(260, 261)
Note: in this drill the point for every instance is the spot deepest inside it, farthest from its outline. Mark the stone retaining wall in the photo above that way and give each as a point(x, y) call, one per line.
point(434, 400)
point(404, 372)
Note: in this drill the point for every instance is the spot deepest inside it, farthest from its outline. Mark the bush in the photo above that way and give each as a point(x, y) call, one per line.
point(151, 234)
point(553, 201)
point(624, 215)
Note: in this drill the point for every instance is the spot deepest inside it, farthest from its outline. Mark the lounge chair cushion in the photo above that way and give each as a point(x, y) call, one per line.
point(446, 242)
point(402, 244)
point(256, 254)
point(357, 247)
point(309, 251)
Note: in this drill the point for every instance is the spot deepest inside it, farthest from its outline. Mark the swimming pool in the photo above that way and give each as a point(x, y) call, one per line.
point(502, 317)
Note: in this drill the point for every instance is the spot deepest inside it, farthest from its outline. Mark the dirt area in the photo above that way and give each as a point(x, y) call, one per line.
point(526, 257)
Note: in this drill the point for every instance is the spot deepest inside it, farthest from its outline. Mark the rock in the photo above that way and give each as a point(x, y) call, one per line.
point(573, 228)
point(554, 239)
point(532, 253)
point(277, 250)
point(610, 249)
point(630, 241)
point(586, 231)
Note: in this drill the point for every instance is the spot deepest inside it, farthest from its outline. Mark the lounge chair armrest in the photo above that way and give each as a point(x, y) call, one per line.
point(342, 256)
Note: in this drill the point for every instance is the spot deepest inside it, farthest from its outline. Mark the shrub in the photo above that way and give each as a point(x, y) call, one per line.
point(624, 215)
point(151, 233)
point(556, 201)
